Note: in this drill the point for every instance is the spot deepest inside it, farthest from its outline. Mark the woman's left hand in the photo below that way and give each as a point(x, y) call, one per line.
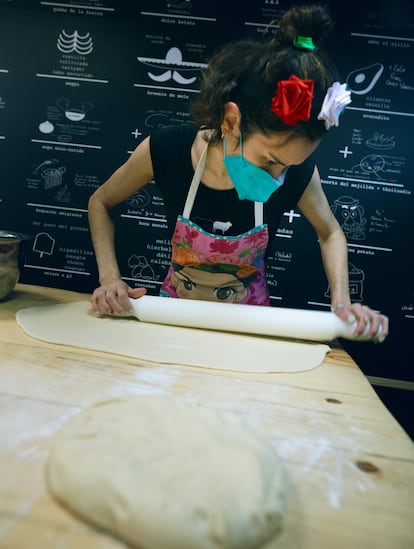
point(369, 323)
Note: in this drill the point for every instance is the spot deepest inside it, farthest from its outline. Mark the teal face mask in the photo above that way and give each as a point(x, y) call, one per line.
point(250, 181)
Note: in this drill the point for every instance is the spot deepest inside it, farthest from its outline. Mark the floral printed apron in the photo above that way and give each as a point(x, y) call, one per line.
point(214, 267)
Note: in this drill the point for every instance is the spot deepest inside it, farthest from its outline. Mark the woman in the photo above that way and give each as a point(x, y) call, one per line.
point(262, 111)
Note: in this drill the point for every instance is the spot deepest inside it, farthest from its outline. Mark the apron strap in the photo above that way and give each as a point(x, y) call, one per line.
point(188, 206)
point(258, 213)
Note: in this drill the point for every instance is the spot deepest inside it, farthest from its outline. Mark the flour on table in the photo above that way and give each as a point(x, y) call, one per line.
point(164, 474)
point(75, 324)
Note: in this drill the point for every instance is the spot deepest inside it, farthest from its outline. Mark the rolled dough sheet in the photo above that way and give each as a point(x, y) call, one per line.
point(76, 325)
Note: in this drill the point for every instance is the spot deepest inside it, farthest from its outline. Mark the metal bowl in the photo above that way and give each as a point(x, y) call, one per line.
point(9, 266)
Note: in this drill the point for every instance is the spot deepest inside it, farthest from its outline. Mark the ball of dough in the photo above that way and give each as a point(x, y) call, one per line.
point(165, 474)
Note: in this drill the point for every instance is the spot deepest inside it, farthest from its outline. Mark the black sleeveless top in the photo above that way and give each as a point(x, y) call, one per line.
point(173, 171)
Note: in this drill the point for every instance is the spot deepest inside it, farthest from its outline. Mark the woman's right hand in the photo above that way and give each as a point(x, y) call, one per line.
point(113, 297)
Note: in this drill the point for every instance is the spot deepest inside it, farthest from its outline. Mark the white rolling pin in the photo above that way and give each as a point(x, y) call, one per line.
point(250, 319)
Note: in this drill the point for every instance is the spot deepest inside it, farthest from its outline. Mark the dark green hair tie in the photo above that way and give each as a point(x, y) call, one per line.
point(304, 42)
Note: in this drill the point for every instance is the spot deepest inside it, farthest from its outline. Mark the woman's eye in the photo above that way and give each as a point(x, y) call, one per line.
point(188, 285)
point(224, 293)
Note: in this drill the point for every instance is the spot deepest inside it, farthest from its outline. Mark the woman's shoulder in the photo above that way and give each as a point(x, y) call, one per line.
point(177, 136)
point(170, 149)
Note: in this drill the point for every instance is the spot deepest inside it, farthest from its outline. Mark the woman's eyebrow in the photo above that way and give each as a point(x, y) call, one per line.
point(186, 277)
point(277, 159)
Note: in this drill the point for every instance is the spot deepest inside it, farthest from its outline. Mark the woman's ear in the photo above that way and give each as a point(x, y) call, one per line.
point(230, 127)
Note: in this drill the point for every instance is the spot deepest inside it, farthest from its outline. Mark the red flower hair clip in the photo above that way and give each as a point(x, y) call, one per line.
point(293, 100)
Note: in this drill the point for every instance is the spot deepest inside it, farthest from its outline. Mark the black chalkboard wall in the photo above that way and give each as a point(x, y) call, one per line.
point(83, 82)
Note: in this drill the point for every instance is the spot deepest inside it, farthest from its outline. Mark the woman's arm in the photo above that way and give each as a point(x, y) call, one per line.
point(112, 295)
point(315, 207)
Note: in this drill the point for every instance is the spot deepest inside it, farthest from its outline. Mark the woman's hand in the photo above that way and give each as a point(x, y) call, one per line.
point(369, 323)
point(113, 297)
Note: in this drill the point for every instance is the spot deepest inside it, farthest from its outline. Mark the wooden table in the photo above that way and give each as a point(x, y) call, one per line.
point(350, 464)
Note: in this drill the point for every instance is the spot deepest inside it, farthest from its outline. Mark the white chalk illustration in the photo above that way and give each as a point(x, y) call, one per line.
point(44, 244)
point(171, 67)
point(75, 43)
point(362, 80)
point(380, 142)
point(141, 269)
point(350, 215)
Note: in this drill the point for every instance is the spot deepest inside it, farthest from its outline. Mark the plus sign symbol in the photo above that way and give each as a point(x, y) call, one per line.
point(345, 151)
point(136, 133)
point(291, 215)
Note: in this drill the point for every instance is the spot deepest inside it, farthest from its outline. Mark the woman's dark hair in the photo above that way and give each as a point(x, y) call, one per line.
point(247, 72)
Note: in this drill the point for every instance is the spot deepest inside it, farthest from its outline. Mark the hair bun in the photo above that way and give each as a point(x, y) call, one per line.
point(312, 20)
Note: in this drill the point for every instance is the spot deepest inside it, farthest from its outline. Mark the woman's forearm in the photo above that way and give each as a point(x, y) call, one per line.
point(334, 252)
point(103, 239)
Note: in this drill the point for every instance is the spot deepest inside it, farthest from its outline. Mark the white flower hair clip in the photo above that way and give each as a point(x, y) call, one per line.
point(336, 99)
